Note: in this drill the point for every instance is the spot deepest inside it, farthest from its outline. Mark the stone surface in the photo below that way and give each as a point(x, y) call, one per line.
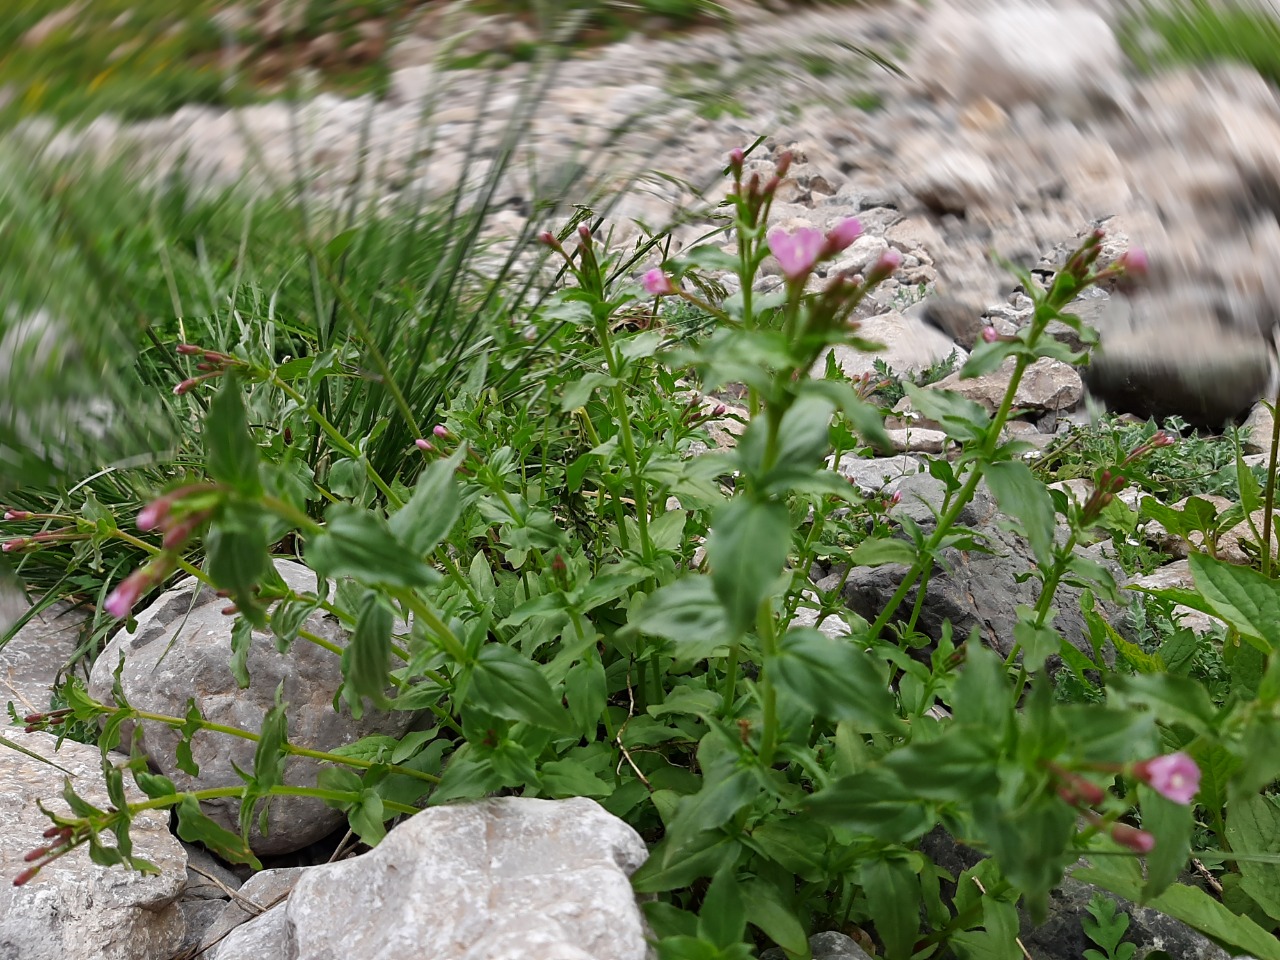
point(1189, 366)
point(956, 319)
point(910, 345)
point(917, 440)
point(182, 649)
point(263, 893)
point(1014, 53)
point(828, 945)
point(1178, 574)
point(74, 908)
point(502, 879)
point(970, 588)
point(31, 661)
point(878, 475)
point(1257, 430)
point(1047, 385)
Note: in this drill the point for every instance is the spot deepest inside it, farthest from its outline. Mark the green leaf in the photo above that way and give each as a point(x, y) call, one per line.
point(569, 778)
point(836, 678)
point(231, 456)
point(367, 656)
point(874, 803)
point(507, 685)
point(1173, 699)
point(368, 818)
point(960, 417)
point(241, 647)
point(686, 612)
point(879, 551)
point(747, 550)
point(959, 765)
point(769, 912)
point(893, 896)
point(723, 917)
point(236, 557)
point(1020, 495)
point(678, 861)
point(1253, 824)
point(355, 543)
point(1105, 926)
point(195, 827)
point(1037, 643)
point(1171, 824)
point(1242, 597)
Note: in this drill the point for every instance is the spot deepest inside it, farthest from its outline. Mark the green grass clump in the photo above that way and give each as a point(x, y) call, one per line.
point(1197, 31)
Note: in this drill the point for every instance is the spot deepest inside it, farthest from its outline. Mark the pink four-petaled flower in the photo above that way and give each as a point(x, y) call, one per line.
point(1174, 776)
point(796, 252)
point(657, 284)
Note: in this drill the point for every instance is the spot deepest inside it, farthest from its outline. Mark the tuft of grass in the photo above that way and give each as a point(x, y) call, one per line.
point(1197, 31)
point(892, 391)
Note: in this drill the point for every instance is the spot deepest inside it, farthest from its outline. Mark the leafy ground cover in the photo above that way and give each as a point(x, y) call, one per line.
point(509, 457)
point(510, 462)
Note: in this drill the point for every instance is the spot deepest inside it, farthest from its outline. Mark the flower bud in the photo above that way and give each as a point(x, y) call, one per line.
point(989, 335)
point(657, 284)
point(423, 445)
point(17, 515)
point(188, 349)
point(1137, 840)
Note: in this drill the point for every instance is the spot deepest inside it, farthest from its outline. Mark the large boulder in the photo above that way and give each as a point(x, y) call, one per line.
point(42, 647)
point(1065, 58)
point(74, 908)
point(971, 589)
point(503, 879)
point(181, 649)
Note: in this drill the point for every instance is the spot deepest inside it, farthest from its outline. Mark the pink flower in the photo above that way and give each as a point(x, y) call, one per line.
point(657, 284)
point(1134, 262)
point(843, 234)
point(121, 600)
point(1174, 776)
point(154, 513)
point(1137, 840)
point(796, 252)
point(989, 335)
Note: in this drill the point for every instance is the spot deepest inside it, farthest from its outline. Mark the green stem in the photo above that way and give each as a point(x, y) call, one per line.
point(768, 693)
point(177, 722)
point(1270, 496)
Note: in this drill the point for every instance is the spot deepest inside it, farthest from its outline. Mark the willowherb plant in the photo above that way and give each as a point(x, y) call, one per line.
point(539, 593)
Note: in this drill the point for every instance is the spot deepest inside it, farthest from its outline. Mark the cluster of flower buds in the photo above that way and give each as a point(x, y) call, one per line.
point(177, 525)
point(61, 840)
point(212, 365)
point(1105, 488)
point(1174, 776)
point(42, 538)
point(695, 411)
point(1161, 438)
point(42, 721)
point(441, 438)
point(121, 601)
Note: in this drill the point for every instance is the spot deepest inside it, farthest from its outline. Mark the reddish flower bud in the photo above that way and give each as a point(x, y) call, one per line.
point(26, 876)
point(736, 158)
point(784, 164)
point(885, 267)
point(17, 515)
point(1137, 840)
point(843, 234)
point(1134, 262)
point(440, 431)
point(154, 513)
point(423, 445)
point(189, 349)
point(185, 385)
point(584, 233)
point(17, 543)
point(989, 335)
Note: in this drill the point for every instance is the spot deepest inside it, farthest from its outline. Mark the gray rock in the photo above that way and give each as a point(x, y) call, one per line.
point(1046, 386)
point(1178, 574)
point(1065, 58)
point(1062, 936)
point(74, 908)
point(263, 893)
point(502, 879)
point(828, 945)
point(955, 318)
point(878, 475)
point(969, 588)
point(181, 649)
point(31, 661)
point(910, 345)
point(1258, 428)
point(1204, 373)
